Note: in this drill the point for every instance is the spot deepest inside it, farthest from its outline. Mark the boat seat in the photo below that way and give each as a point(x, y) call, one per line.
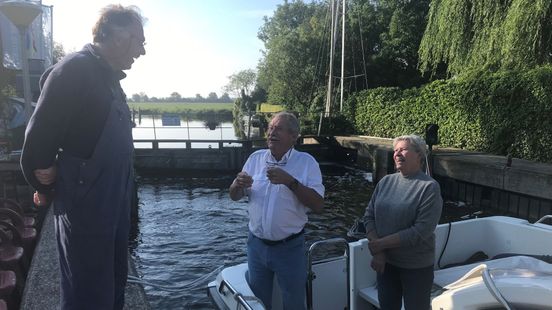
point(370, 294)
point(28, 218)
point(28, 235)
point(8, 292)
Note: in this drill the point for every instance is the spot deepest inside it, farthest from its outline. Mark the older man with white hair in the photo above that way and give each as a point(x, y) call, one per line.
point(282, 185)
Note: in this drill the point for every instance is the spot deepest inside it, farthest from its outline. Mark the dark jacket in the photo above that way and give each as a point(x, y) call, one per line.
point(73, 106)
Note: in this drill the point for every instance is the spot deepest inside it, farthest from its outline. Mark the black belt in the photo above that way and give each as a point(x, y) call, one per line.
point(276, 242)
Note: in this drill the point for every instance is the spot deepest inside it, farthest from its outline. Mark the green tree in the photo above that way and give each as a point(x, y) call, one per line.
point(381, 44)
point(292, 65)
point(175, 97)
point(58, 52)
point(212, 97)
point(488, 35)
point(225, 98)
point(144, 97)
point(397, 62)
point(244, 79)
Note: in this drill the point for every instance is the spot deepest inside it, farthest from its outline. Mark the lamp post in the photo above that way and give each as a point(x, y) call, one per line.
point(22, 14)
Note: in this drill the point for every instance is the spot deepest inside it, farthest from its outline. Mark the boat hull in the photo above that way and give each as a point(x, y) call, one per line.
point(349, 282)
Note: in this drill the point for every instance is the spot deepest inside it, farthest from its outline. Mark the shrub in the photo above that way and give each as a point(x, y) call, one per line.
point(499, 113)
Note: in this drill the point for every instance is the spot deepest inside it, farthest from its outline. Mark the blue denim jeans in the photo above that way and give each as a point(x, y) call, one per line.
point(412, 285)
point(287, 261)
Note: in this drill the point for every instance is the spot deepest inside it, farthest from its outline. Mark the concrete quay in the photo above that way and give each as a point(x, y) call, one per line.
point(521, 176)
point(42, 286)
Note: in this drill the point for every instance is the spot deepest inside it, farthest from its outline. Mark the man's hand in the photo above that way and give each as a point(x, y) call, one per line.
point(41, 199)
point(238, 186)
point(243, 180)
point(46, 176)
point(278, 176)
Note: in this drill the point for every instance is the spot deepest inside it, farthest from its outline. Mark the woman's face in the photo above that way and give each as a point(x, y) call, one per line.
point(407, 160)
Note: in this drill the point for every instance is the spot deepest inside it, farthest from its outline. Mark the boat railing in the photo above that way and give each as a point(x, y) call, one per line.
point(489, 283)
point(311, 275)
point(239, 297)
point(544, 218)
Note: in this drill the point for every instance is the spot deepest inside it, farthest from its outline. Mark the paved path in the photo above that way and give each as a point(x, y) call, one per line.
point(42, 287)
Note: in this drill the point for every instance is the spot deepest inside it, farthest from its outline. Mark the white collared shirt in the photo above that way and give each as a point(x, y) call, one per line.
point(274, 211)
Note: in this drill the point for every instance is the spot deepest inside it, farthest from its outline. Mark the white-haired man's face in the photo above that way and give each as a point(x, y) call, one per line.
point(279, 137)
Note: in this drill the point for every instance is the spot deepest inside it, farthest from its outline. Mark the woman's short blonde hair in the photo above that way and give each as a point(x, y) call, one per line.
point(416, 142)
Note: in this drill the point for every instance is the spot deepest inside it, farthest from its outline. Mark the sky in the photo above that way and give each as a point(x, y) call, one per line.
point(193, 46)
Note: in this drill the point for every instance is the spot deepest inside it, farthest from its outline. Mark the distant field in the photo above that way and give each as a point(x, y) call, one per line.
point(179, 107)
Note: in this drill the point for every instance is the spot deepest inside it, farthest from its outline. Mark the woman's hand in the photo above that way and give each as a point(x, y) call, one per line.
point(375, 246)
point(378, 262)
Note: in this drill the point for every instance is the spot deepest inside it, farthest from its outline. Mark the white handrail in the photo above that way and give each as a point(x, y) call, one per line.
point(489, 283)
point(544, 218)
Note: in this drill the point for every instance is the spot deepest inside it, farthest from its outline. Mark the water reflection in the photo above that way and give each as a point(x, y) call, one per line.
point(189, 227)
point(195, 129)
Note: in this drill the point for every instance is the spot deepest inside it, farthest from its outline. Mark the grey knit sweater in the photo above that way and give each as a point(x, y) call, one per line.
point(410, 206)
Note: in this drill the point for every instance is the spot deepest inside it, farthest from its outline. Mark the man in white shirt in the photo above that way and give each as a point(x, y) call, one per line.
point(282, 184)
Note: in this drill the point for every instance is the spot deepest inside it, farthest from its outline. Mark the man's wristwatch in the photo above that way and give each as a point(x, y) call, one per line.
point(293, 185)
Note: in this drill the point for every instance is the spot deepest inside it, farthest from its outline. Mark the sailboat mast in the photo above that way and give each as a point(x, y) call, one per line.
point(342, 55)
point(332, 47)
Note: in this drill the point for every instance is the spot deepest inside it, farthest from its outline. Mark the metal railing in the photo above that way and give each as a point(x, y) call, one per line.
point(188, 142)
point(240, 299)
point(311, 275)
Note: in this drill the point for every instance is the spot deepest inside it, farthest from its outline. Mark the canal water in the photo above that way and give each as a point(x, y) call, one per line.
point(189, 228)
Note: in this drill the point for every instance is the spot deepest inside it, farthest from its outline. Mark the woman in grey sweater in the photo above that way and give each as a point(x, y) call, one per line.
point(400, 221)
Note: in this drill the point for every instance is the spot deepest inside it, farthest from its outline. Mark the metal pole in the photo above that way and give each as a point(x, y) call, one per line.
point(330, 74)
point(154, 133)
point(249, 126)
point(342, 55)
point(188, 125)
point(25, 70)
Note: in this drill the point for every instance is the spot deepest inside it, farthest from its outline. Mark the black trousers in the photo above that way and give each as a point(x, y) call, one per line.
point(412, 285)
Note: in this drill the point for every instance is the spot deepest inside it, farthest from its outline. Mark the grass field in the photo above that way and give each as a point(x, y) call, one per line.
point(179, 107)
point(183, 107)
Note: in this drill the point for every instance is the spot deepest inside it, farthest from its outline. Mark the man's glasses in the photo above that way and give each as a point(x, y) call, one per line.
point(271, 164)
point(283, 162)
point(142, 43)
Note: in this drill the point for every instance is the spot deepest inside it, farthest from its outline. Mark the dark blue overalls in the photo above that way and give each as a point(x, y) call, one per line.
point(92, 216)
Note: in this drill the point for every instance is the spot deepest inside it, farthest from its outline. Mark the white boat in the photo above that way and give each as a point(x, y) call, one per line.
point(516, 274)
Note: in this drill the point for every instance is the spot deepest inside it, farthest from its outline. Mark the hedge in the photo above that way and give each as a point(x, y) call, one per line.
point(509, 112)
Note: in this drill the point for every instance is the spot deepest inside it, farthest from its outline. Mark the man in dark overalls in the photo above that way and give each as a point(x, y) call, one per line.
point(78, 153)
